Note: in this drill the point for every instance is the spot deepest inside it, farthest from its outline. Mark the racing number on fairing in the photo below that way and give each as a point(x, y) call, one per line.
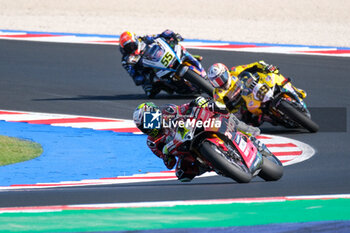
point(260, 94)
point(166, 59)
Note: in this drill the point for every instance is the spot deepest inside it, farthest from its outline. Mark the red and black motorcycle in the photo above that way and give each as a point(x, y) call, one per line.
point(212, 142)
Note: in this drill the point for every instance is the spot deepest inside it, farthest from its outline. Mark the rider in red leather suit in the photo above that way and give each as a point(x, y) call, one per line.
point(159, 139)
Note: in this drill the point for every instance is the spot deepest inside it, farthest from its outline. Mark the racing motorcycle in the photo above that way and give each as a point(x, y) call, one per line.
point(170, 70)
point(274, 98)
point(211, 142)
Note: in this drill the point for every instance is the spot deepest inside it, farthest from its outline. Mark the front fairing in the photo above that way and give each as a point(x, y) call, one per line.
point(192, 62)
point(181, 140)
point(291, 94)
point(257, 89)
point(266, 88)
point(249, 152)
point(161, 57)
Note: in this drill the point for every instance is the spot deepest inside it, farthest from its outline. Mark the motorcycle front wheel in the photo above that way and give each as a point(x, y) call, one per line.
point(298, 116)
point(199, 81)
point(235, 170)
point(271, 169)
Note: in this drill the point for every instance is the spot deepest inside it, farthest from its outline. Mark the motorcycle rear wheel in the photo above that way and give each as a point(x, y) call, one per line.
point(238, 172)
point(298, 116)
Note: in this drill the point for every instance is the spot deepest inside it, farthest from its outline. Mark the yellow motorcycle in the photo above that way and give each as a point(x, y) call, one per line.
point(273, 97)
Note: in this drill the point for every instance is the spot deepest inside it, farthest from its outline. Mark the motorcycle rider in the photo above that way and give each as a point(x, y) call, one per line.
point(161, 141)
point(229, 85)
point(132, 47)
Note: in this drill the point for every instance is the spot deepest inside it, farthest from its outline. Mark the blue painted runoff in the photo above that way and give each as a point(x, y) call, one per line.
point(72, 154)
point(300, 227)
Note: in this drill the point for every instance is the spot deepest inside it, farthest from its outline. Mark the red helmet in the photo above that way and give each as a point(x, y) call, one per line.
point(219, 76)
point(128, 42)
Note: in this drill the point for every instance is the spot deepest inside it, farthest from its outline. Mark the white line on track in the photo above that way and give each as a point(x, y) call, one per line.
point(288, 150)
point(36, 209)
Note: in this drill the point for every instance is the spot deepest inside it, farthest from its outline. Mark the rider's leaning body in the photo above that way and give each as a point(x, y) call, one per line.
point(229, 94)
point(163, 143)
point(132, 47)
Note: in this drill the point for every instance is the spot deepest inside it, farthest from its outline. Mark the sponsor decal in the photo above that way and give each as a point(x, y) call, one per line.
point(251, 103)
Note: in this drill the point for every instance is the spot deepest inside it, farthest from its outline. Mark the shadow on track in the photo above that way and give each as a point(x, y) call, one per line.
point(278, 130)
point(118, 97)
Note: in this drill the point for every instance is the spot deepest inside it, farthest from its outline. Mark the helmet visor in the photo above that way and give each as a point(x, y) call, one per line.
point(220, 80)
point(130, 47)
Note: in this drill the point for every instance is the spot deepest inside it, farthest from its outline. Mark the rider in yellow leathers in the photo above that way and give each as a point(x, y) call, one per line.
point(228, 87)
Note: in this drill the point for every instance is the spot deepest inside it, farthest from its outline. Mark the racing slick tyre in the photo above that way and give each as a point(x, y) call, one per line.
point(237, 171)
point(271, 169)
point(199, 81)
point(298, 116)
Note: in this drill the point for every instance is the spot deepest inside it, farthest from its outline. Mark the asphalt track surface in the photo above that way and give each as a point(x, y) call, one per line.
point(89, 80)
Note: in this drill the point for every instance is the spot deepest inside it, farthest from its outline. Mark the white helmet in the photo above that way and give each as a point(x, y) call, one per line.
point(219, 76)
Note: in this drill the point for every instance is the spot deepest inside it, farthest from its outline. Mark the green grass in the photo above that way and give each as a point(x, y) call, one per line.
point(14, 150)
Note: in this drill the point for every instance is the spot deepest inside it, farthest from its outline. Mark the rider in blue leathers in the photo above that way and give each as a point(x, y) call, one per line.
point(133, 46)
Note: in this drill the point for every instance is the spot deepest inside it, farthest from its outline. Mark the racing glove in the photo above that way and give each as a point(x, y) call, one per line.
point(148, 39)
point(169, 34)
point(269, 68)
point(198, 57)
point(178, 37)
point(201, 102)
